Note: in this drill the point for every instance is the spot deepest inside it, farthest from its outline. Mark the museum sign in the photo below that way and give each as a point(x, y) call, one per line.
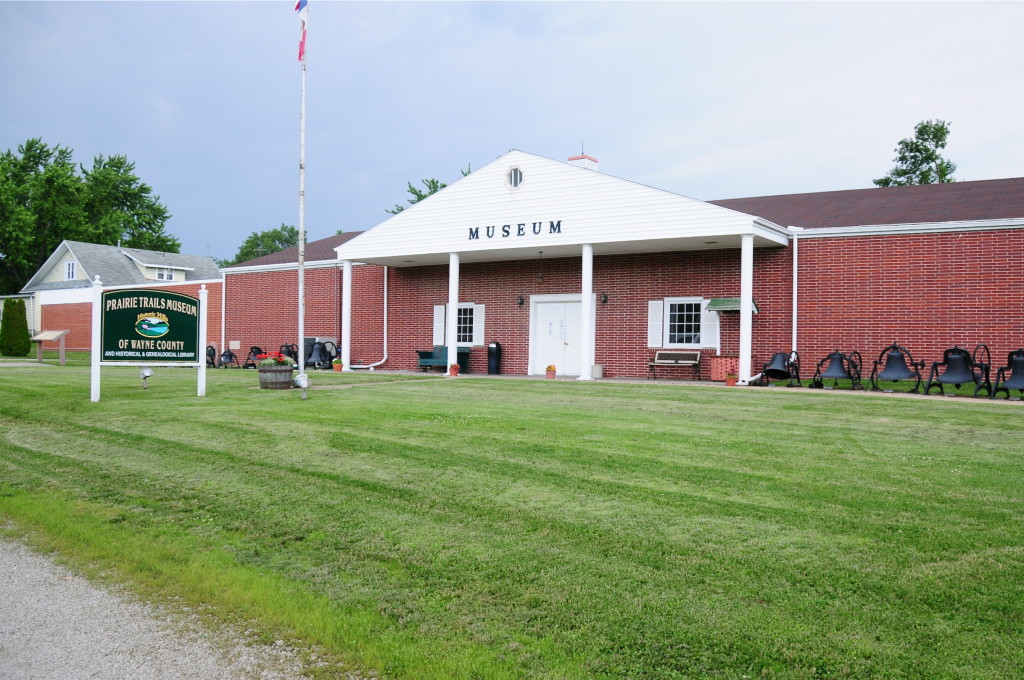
point(150, 325)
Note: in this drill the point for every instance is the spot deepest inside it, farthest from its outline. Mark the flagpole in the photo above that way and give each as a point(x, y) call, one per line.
point(302, 208)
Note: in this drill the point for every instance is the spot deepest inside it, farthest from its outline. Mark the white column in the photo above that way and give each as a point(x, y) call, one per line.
point(346, 315)
point(746, 305)
point(587, 314)
point(96, 351)
point(796, 288)
point(203, 308)
point(452, 322)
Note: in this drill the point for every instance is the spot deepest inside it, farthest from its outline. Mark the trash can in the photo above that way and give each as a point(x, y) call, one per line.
point(494, 358)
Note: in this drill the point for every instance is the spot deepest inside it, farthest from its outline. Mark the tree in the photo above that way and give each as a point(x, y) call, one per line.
point(14, 337)
point(45, 199)
point(264, 243)
point(918, 161)
point(40, 205)
point(119, 206)
point(432, 186)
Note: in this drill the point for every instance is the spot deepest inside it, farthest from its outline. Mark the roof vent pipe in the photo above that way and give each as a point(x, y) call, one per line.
point(584, 161)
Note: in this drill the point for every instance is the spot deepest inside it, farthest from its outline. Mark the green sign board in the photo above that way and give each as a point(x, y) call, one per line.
point(150, 325)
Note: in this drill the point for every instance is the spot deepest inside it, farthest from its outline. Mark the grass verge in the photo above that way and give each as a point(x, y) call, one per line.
point(479, 528)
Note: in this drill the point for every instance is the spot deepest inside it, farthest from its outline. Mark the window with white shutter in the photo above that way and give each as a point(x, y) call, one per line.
point(681, 322)
point(469, 330)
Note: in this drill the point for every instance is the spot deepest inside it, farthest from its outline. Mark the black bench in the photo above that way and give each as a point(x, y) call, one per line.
point(438, 357)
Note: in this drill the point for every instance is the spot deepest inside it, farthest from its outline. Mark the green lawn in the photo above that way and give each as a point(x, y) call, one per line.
point(482, 528)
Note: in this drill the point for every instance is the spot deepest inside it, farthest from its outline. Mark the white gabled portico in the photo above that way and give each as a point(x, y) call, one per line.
point(521, 205)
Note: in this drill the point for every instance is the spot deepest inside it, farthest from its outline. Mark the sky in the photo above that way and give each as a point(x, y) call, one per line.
point(711, 100)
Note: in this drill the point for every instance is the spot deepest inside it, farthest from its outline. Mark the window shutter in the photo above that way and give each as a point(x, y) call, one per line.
point(709, 325)
point(478, 324)
point(439, 324)
point(655, 312)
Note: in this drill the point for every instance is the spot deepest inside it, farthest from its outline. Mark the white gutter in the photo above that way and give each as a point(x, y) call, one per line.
point(378, 363)
point(153, 284)
point(769, 230)
point(283, 266)
point(913, 228)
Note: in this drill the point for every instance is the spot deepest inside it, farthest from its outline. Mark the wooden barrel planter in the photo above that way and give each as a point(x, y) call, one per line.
point(275, 377)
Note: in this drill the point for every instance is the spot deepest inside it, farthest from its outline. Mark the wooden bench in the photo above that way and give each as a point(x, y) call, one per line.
point(674, 357)
point(439, 357)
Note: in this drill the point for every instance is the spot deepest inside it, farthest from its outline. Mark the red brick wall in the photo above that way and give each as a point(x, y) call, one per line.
point(415, 291)
point(630, 281)
point(77, 316)
point(368, 314)
point(925, 291)
point(263, 307)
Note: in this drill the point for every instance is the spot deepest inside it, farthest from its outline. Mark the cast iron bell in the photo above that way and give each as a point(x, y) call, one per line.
point(783, 366)
point(779, 367)
point(899, 365)
point(840, 367)
point(1014, 364)
point(961, 367)
point(958, 368)
point(1016, 381)
point(837, 369)
point(896, 366)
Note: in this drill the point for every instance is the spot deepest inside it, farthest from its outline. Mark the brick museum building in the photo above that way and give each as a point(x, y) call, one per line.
point(566, 266)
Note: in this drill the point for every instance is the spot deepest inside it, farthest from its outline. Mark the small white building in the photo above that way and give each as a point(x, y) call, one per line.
point(59, 295)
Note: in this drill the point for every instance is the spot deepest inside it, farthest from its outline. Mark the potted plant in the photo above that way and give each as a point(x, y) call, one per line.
point(550, 371)
point(453, 370)
point(730, 379)
point(275, 371)
point(336, 364)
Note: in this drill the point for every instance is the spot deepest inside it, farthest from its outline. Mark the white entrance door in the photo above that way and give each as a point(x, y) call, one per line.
point(557, 337)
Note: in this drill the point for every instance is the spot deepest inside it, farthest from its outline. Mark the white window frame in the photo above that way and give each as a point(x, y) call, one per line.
point(164, 273)
point(70, 270)
point(658, 327)
point(441, 318)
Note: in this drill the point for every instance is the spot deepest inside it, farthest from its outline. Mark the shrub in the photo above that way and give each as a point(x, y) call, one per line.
point(14, 337)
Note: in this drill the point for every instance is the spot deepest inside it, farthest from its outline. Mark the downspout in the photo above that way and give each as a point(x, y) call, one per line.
point(37, 313)
point(374, 365)
point(796, 263)
point(746, 306)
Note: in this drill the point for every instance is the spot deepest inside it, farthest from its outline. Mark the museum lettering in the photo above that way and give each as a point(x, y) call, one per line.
point(515, 230)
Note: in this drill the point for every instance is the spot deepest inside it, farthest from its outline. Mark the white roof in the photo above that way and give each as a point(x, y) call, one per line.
point(557, 208)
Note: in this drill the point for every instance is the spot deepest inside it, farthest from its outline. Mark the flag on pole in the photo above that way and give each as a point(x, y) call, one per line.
point(302, 7)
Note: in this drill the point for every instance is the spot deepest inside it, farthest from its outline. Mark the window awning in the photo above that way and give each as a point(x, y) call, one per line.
point(726, 305)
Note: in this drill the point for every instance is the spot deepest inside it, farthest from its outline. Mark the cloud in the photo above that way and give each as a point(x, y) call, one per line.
point(711, 100)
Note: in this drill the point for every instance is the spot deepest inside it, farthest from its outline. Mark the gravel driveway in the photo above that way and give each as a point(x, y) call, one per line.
point(54, 625)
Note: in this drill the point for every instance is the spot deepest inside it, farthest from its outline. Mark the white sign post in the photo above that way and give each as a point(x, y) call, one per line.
point(147, 327)
point(97, 325)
